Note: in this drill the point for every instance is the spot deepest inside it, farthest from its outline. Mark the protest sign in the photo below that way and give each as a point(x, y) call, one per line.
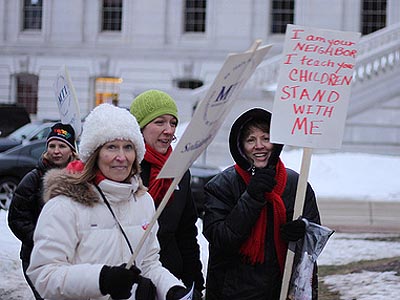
point(212, 110)
point(189, 295)
point(313, 92)
point(206, 121)
point(67, 101)
point(311, 101)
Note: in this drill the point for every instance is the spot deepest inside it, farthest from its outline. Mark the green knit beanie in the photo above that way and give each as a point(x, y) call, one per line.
point(152, 104)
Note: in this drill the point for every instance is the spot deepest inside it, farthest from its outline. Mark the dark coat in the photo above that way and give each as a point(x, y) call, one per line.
point(25, 208)
point(229, 216)
point(177, 234)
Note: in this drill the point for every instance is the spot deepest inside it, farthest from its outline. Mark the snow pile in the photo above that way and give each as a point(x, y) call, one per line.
point(344, 248)
point(356, 176)
point(365, 285)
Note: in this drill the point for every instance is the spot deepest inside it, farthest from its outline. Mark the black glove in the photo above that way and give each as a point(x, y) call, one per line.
point(177, 292)
point(118, 281)
point(146, 289)
point(197, 295)
point(293, 231)
point(263, 181)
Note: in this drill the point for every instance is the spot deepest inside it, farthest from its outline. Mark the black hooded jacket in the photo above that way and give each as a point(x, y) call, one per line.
point(230, 214)
point(177, 233)
point(26, 206)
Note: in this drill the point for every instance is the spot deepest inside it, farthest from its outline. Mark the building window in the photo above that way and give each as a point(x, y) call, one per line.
point(27, 92)
point(282, 13)
point(188, 83)
point(373, 15)
point(195, 15)
point(32, 14)
point(107, 90)
point(112, 15)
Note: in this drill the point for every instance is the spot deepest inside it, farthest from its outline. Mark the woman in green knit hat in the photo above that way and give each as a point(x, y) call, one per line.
point(157, 115)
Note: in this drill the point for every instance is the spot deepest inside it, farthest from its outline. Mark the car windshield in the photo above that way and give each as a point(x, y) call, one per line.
point(22, 132)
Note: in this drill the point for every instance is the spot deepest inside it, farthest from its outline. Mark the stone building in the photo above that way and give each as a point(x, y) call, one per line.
point(114, 49)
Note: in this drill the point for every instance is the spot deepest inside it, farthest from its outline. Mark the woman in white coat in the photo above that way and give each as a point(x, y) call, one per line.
point(94, 218)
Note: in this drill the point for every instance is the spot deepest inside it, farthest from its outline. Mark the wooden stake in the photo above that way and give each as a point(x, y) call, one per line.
point(153, 221)
point(298, 209)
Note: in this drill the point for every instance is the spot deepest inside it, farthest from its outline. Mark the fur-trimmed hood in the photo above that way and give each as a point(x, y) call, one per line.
point(60, 182)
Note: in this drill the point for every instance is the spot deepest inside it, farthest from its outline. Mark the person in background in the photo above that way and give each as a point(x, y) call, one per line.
point(27, 201)
point(248, 215)
point(157, 115)
point(94, 218)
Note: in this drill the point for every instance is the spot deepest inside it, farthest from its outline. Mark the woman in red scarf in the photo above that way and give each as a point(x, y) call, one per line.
point(157, 115)
point(248, 208)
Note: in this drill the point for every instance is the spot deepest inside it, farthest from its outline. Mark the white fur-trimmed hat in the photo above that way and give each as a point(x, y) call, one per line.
point(106, 123)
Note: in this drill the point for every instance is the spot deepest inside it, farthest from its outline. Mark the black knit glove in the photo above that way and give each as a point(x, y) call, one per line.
point(293, 231)
point(177, 292)
point(146, 289)
point(197, 295)
point(263, 181)
point(118, 281)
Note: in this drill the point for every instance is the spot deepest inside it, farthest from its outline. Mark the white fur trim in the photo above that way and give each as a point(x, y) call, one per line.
point(106, 123)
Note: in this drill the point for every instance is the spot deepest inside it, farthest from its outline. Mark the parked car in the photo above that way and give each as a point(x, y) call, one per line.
point(27, 133)
point(12, 117)
point(14, 164)
point(201, 174)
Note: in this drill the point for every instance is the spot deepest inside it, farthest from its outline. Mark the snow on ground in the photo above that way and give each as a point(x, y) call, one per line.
point(366, 285)
point(331, 175)
point(345, 248)
point(357, 176)
point(342, 248)
point(12, 282)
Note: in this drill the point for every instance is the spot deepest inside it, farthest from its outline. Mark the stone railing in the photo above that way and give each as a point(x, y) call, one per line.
point(378, 52)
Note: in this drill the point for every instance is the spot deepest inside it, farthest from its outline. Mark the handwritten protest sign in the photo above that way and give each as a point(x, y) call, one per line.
point(67, 101)
point(212, 110)
point(312, 97)
point(311, 101)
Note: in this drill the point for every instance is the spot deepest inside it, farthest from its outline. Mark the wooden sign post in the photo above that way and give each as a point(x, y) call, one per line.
point(237, 69)
point(206, 121)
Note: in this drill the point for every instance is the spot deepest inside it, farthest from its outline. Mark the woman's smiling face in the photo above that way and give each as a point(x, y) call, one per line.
point(116, 159)
point(159, 133)
point(257, 147)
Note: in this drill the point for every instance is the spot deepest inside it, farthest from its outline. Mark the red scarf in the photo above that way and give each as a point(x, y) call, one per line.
point(253, 248)
point(77, 166)
point(157, 187)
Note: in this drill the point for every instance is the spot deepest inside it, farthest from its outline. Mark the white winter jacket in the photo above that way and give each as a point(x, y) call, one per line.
point(76, 235)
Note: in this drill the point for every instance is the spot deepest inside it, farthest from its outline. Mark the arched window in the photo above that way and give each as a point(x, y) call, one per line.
point(107, 90)
point(188, 83)
point(27, 91)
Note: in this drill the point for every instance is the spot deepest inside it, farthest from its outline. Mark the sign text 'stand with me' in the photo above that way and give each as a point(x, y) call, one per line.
point(313, 92)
